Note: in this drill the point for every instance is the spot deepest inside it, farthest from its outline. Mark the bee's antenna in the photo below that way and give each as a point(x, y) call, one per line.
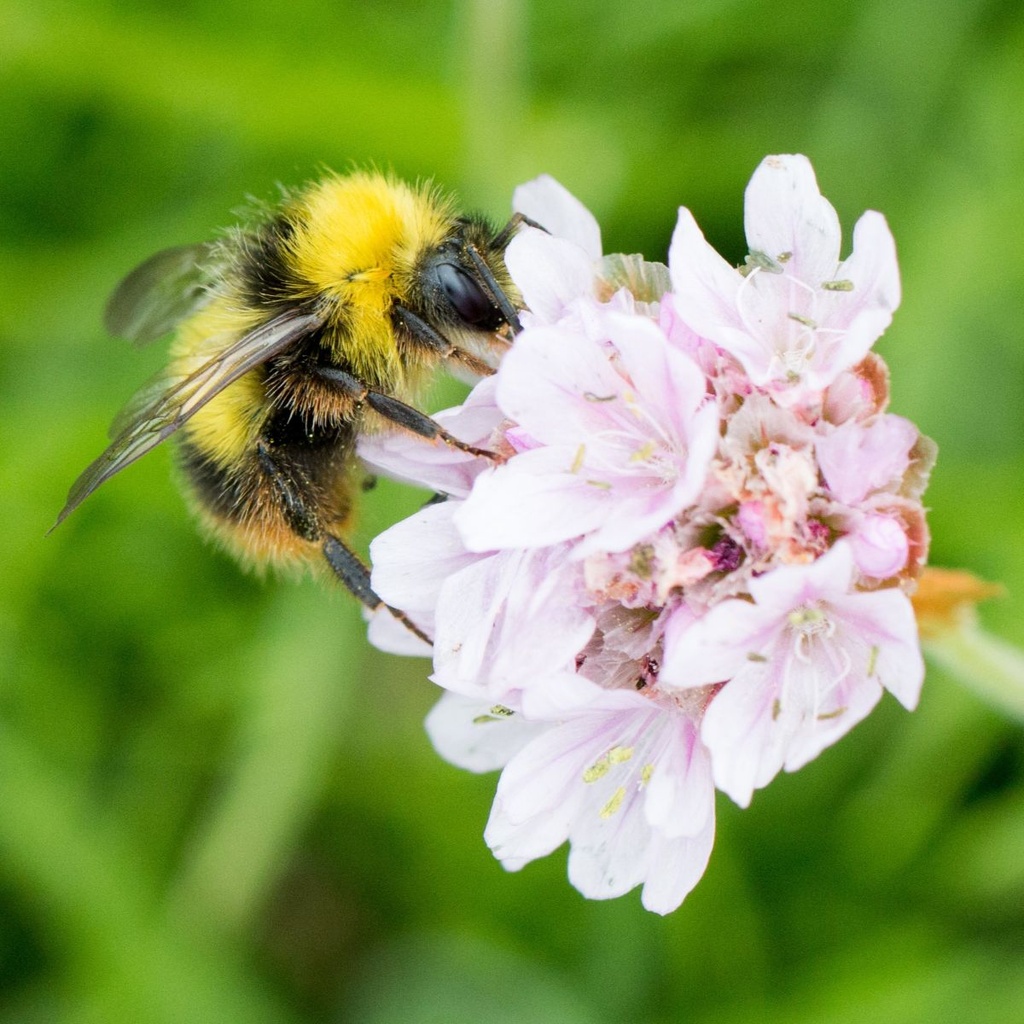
point(497, 295)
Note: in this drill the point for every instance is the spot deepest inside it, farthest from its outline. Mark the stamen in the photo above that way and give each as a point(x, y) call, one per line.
point(614, 804)
point(605, 763)
point(801, 319)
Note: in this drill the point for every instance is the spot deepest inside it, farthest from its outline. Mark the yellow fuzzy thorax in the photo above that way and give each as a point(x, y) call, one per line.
point(353, 249)
point(356, 242)
point(229, 424)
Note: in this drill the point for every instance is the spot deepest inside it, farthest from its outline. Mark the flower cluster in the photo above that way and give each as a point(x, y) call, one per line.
point(689, 565)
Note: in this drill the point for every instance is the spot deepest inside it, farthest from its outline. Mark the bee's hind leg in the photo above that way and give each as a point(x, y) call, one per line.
point(302, 519)
point(349, 569)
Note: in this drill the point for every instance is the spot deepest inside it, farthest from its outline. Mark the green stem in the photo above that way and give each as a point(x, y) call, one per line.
point(991, 667)
point(493, 96)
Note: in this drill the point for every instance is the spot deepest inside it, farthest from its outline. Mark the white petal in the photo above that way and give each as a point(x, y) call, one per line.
point(885, 620)
point(387, 634)
point(515, 844)
point(872, 267)
point(509, 622)
point(808, 733)
point(747, 748)
point(706, 290)
point(549, 272)
point(535, 782)
point(784, 212)
point(669, 384)
point(680, 796)
point(716, 646)
point(555, 208)
point(789, 587)
point(608, 857)
point(533, 501)
point(556, 384)
point(856, 460)
point(676, 867)
point(575, 696)
point(474, 735)
point(412, 559)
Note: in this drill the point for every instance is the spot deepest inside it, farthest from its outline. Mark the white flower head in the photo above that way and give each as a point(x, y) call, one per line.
point(687, 564)
point(626, 780)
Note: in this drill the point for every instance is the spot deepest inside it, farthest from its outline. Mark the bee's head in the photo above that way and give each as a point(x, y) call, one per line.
point(461, 292)
point(464, 283)
point(454, 289)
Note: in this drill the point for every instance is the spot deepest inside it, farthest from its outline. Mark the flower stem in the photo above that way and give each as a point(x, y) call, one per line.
point(991, 667)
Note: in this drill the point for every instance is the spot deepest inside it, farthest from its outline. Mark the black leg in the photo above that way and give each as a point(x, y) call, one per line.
point(504, 236)
point(349, 568)
point(344, 562)
point(430, 338)
point(302, 519)
point(398, 412)
point(498, 296)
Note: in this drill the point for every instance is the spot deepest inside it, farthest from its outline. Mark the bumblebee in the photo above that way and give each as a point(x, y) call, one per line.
point(290, 338)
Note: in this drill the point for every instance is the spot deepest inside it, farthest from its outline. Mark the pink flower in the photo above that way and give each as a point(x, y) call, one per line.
point(624, 433)
point(801, 664)
point(794, 315)
point(880, 546)
point(690, 564)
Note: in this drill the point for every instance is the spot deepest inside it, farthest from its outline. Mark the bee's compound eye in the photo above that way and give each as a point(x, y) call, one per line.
point(465, 295)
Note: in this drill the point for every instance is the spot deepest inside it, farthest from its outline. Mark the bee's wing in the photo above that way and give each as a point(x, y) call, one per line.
point(165, 405)
point(161, 292)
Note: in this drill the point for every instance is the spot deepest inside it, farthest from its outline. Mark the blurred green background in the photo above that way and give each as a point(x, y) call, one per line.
point(216, 804)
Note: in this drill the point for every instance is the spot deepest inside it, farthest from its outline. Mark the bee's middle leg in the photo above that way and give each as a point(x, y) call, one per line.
point(397, 411)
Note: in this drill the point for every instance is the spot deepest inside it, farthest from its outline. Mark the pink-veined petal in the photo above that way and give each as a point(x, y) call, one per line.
point(412, 559)
point(509, 621)
point(533, 501)
point(706, 289)
point(746, 751)
point(677, 865)
point(857, 459)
